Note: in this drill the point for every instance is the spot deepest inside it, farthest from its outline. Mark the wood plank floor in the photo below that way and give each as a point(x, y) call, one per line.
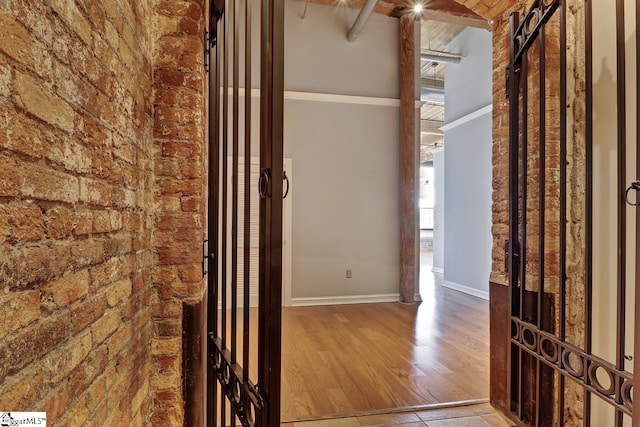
point(357, 358)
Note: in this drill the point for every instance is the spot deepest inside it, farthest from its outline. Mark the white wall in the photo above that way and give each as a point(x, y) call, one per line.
point(439, 213)
point(345, 155)
point(467, 170)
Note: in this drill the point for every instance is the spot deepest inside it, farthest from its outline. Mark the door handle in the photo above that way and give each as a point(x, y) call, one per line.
point(634, 186)
point(286, 179)
point(263, 182)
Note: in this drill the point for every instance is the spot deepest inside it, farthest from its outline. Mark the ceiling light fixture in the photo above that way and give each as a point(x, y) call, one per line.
point(417, 8)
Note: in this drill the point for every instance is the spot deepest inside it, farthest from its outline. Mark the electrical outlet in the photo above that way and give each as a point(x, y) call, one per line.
point(349, 275)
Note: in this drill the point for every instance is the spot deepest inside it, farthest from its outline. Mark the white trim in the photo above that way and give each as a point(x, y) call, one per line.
point(465, 289)
point(328, 97)
point(437, 270)
point(465, 119)
point(341, 99)
point(347, 299)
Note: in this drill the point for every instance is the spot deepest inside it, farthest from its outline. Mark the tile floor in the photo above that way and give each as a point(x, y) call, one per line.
point(482, 415)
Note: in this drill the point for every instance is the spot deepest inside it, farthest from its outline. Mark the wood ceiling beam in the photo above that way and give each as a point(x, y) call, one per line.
point(432, 83)
point(449, 18)
point(431, 127)
point(445, 16)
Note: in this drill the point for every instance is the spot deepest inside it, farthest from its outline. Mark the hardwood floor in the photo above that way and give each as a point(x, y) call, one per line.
point(359, 358)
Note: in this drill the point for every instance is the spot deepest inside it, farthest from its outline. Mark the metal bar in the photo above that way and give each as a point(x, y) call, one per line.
point(588, 255)
point(541, 207)
point(271, 159)
point(524, 72)
point(441, 53)
point(524, 79)
point(514, 296)
point(622, 177)
point(636, 353)
point(234, 16)
point(563, 193)
point(223, 407)
point(361, 20)
point(246, 332)
point(213, 218)
point(225, 177)
point(428, 57)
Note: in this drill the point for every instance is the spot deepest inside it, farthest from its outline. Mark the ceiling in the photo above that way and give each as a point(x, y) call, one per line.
point(435, 36)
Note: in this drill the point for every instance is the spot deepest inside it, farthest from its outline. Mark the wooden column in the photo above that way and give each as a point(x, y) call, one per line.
point(409, 261)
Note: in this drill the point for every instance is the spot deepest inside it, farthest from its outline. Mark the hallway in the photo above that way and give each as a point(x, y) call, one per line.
point(355, 359)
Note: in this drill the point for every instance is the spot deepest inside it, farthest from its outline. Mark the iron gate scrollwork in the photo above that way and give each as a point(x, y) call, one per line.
point(234, 396)
point(547, 344)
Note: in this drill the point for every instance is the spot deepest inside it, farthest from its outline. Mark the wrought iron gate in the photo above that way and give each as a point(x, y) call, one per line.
point(571, 353)
point(243, 385)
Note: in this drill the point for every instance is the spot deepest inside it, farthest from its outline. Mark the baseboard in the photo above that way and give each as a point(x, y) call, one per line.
point(467, 290)
point(437, 270)
point(347, 299)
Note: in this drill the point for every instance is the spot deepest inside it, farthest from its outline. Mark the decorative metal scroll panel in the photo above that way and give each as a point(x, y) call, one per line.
point(574, 363)
point(243, 397)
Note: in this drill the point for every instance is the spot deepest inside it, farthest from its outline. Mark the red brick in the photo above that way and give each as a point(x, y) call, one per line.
point(36, 264)
point(183, 187)
point(55, 406)
point(27, 222)
point(38, 100)
point(22, 46)
point(174, 221)
point(32, 343)
point(19, 310)
point(180, 254)
point(87, 312)
point(191, 204)
point(20, 391)
point(9, 177)
point(118, 292)
point(190, 26)
point(60, 222)
point(101, 222)
point(84, 222)
point(180, 150)
point(23, 135)
point(190, 273)
point(67, 289)
point(5, 230)
point(191, 169)
point(105, 326)
point(41, 182)
point(88, 252)
point(178, 115)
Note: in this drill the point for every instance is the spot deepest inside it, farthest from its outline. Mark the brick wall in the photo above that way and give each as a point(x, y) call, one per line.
point(76, 193)
point(179, 131)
